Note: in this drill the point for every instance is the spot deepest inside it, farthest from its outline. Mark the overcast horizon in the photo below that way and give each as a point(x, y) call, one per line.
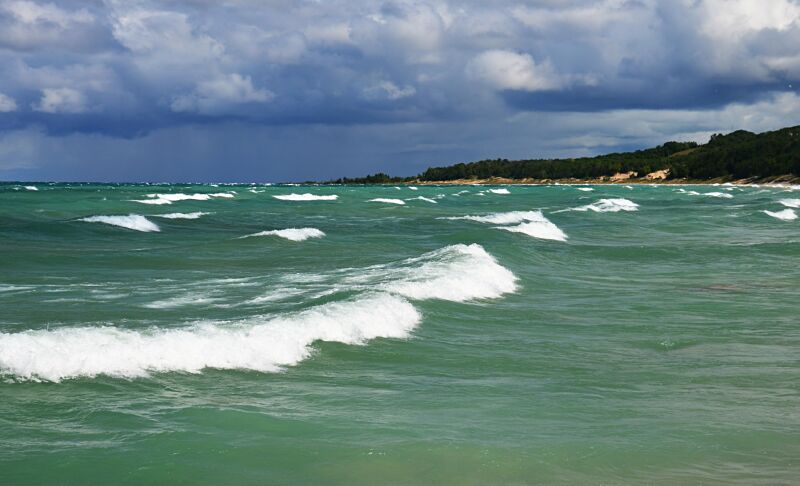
point(247, 91)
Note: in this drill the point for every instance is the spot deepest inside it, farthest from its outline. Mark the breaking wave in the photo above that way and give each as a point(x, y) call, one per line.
point(305, 197)
point(791, 203)
point(423, 198)
point(134, 222)
point(510, 217)
point(293, 234)
point(264, 344)
point(544, 230)
point(500, 191)
point(609, 206)
point(159, 199)
point(399, 202)
point(194, 215)
point(785, 215)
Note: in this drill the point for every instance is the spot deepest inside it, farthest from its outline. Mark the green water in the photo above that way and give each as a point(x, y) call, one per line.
point(657, 345)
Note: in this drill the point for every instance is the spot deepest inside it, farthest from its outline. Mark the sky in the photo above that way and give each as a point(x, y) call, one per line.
point(294, 90)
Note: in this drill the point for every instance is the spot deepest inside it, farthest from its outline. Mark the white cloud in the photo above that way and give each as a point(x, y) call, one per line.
point(510, 70)
point(218, 95)
point(61, 100)
point(32, 13)
point(7, 104)
point(389, 90)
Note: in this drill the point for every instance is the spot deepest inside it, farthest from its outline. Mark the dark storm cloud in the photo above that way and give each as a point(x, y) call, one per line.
point(132, 71)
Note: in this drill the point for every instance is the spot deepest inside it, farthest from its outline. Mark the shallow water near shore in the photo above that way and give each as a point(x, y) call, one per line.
point(252, 334)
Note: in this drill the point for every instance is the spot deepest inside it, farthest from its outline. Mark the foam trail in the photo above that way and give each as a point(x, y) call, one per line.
point(260, 344)
point(388, 201)
point(194, 215)
point(500, 191)
point(785, 215)
point(159, 199)
point(135, 222)
point(791, 203)
point(456, 273)
point(510, 217)
point(544, 230)
point(293, 234)
point(305, 197)
point(609, 206)
point(423, 198)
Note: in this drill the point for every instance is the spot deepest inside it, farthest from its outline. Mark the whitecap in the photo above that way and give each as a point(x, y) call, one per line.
point(511, 217)
point(718, 194)
point(502, 190)
point(609, 206)
point(194, 215)
point(544, 230)
point(413, 188)
point(32, 188)
point(305, 197)
point(265, 344)
point(456, 273)
point(791, 203)
point(135, 222)
point(388, 201)
point(293, 234)
point(159, 199)
point(422, 198)
point(785, 215)
point(585, 189)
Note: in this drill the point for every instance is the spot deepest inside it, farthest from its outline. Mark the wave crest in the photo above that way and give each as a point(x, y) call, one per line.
point(134, 222)
point(305, 197)
point(293, 234)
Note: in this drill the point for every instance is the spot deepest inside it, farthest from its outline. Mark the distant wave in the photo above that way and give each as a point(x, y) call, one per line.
point(785, 215)
point(294, 234)
point(609, 206)
point(531, 223)
point(194, 215)
point(159, 199)
point(422, 198)
point(791, 203)
point(722, 195)
point(32, 188)
point(135, 222)
point(544, 230)
point(585, 189)
point(500, 191)
point(388, 201)
point(305, 197)
point(456, 273)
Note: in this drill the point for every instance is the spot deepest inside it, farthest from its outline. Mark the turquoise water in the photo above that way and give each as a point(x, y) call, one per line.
point(614, 336)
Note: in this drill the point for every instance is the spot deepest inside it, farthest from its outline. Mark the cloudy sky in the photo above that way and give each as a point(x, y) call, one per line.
point(278, 90)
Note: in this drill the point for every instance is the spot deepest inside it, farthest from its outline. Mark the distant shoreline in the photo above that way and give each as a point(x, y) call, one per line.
point(773, 180)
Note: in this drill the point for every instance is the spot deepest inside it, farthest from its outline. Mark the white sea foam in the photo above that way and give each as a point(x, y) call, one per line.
point(305, 197)
point(544, 230)
point(412, 188)
point(194, 215)
point(791, 203)
point(457, 273)
point(785, 215)
point(294, 234)
point(132, 221)
point(723, 195)
point(422, 198)
point(388, 201)
point(265, 344)
point(32, 188)
point(502, 190)
point(180, 301)
point(586, 189)
point(511, 217)
point(609, 206)
point(159, 199)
